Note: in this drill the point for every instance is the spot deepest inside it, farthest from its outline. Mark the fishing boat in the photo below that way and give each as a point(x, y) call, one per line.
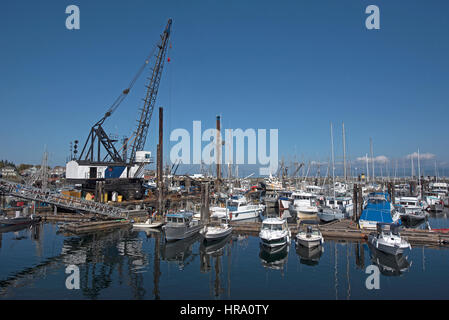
point(410, 209)
point(181, 225)
point(328, 214)
point(303, 202)
point(343, 203)
point(434, 202)
point(309, 235)
point(274, 232)
point(216, 232)
point(387, 239)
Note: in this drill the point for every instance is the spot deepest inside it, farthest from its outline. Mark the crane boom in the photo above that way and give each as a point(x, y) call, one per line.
point(150, 98)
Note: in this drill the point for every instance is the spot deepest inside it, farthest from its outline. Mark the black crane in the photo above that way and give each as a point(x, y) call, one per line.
point(92, 157)
point(97, 138)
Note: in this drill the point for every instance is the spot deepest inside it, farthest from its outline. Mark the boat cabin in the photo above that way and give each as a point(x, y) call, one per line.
point(274, 224)
point(181, 217)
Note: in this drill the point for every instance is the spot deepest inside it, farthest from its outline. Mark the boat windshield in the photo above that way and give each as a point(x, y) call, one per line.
point(269, 226)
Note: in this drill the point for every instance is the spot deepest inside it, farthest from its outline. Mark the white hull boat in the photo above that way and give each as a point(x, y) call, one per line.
point(274, 233)
point(214, 233)
point(388, 240)
point(149, 224)
point(309, 237)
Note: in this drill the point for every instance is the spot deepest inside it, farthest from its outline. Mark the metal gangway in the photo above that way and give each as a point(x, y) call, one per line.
point(60, 200)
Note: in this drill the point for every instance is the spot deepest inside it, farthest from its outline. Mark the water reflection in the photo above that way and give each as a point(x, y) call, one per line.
point(309, 256)
point(274, 258)
point(180, 251)
point(389, 265)
point(215, 251)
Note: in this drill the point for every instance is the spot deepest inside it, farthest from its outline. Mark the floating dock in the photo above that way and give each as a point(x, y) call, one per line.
point(348, 230)
point(86, 227)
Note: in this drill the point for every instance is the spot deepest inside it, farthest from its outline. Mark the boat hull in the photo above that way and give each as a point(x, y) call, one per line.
point(173, 233)
point(208, 236)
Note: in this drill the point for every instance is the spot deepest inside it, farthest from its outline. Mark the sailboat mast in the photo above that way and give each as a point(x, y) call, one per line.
point(344, 152)
point(419, 176)
point(333, 165)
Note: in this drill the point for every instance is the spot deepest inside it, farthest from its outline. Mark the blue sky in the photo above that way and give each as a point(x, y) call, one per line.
point(291, 65)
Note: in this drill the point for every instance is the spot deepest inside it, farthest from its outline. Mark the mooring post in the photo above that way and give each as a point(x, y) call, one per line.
point(355, 203)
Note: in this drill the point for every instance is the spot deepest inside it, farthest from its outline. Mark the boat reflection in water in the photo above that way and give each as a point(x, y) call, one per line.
point(274, 258)
point(180, 251)
point(389, 265)
point(214, 248)
point(309, 256)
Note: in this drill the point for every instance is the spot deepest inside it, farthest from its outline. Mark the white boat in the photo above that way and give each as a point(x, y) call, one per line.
point(274, 232)
point(345, 204)
point(309, 235)
point(303, 202)
point(213, 233)
point(328, 214)
point(238, 209)
point(411, 209)
point(388, 240)
point(149, 224)
point(434, 202)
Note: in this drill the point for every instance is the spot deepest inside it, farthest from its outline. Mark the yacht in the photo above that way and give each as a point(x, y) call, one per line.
point(274, 233)
point(181, 225)
point(237, 209)
point(388, 240)
point(303, 202)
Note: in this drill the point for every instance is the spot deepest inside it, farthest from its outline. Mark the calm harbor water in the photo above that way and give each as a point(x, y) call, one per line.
point(137, 264)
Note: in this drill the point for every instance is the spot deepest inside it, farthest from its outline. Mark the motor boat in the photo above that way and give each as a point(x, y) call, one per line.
point(216, 232)
point(309, 235)
point(387, 239)
point(149, 223)
point(274, 232)
point(181, 225)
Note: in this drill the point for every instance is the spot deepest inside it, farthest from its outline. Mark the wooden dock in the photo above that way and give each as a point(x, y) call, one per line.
point(348, 230)
point(86, 227)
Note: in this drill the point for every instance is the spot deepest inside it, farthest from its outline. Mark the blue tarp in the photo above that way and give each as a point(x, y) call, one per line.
point(377, 210)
